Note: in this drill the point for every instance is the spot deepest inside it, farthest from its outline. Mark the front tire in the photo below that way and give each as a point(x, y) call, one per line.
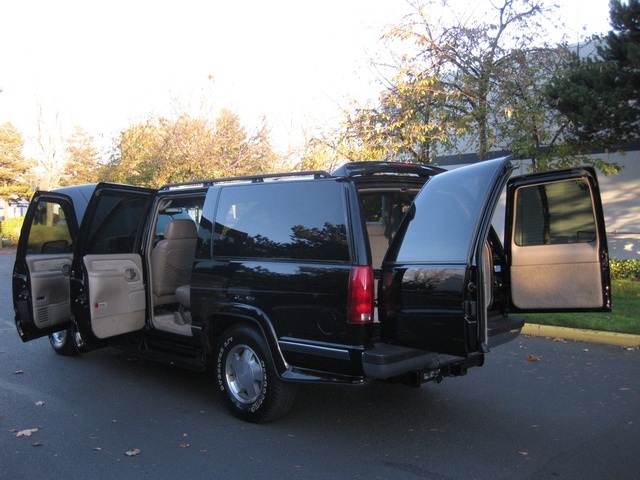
point(63, 343)
point(247, 377)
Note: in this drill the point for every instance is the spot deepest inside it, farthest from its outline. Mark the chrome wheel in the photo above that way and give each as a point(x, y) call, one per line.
point(58, 339)
point(64, 342)
point(244, 374)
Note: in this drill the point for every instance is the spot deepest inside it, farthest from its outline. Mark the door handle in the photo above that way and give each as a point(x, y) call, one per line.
point(130, 274)
point(66, 269)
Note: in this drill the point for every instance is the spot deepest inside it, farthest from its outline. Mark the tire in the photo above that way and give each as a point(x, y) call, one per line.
point(247, 377)
point(63, 343)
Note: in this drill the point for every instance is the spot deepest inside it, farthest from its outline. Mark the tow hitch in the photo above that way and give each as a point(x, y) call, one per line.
point(417, 378)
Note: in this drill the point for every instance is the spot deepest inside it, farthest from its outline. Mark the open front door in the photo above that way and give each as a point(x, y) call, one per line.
point(432, 295)
point(43, 266)
point(556, 243)
point(108, 280)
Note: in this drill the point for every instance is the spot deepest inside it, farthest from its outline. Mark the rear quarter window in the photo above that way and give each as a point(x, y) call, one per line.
point(301, 220)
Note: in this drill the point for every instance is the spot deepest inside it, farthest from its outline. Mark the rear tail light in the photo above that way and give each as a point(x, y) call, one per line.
point(361, 295)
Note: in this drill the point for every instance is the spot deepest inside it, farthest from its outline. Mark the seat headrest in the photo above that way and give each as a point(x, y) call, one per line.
point(180, 229)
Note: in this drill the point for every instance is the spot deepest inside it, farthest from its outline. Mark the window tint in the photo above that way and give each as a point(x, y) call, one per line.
point(385, 209)
point(49, 232)
point(443, 218)
point(116, 224)
point(553, 214)
point(297, 220)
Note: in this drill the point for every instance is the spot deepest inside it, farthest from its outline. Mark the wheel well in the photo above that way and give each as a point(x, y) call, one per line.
point(219, 324)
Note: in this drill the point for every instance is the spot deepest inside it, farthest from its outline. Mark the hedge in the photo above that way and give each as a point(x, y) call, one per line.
point(625, 269)
point(10, 228)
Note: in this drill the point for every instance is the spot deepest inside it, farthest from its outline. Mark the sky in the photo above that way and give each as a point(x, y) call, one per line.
point(106, 64)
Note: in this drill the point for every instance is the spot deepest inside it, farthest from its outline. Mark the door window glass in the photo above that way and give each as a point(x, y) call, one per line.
point(116, 223)
point(49, 232)
point(296, 220)
point(554, 214)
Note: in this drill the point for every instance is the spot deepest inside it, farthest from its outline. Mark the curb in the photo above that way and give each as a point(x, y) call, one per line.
point(593, 336)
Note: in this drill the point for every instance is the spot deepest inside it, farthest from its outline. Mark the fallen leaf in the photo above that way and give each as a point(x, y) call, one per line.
point(18, 372)
point(532, 358)
point(561, 340)
point(39, 403)
point(37, 444)
point(27, 432)
point(184, 445)
point(97, 449)
point(132, 453)
point(625, 389)
point(523, 453)
point(185, 434)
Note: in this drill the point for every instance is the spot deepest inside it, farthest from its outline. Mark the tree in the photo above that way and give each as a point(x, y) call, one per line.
point(235, 152)
point(50, 154)
point(600, 95)
point(14, 168)
point(82, 159)
point(410, 122)
point(449, 82)
point(163, 150)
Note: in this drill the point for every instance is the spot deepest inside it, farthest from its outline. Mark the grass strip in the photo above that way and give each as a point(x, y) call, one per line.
point(625, 317)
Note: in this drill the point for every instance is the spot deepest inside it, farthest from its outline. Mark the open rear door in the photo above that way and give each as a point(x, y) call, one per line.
point(43, 266)
point(108, 281)
point(556, 243)
point(432, 295)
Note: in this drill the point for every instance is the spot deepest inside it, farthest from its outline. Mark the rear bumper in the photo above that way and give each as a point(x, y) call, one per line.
point(387, 361)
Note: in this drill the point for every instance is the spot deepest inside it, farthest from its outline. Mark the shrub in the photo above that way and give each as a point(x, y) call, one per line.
point(10, 228)
point(625, 269)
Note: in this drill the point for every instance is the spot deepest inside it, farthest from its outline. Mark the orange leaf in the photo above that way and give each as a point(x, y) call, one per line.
point(532, 358)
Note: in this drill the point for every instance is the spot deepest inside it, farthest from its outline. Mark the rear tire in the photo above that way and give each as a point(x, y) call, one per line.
point(63, 343)
point(247, 377)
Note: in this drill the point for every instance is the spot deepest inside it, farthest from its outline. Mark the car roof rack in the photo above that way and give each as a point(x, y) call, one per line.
point(316, 174)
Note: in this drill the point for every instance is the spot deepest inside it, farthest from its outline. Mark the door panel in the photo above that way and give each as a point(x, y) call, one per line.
point(116, 294)
point(547, 276)
point(49, 276)
point(556, 242)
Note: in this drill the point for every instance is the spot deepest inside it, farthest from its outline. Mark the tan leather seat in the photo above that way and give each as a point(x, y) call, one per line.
point(172, 260)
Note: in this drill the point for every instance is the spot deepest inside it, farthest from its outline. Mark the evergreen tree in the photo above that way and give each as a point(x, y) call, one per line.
point(600, 96)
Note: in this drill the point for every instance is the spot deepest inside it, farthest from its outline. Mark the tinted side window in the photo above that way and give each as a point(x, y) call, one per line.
point(297, 220)
point(553, 214)
point(49, 232)
point(441, 224)
point(116, 224)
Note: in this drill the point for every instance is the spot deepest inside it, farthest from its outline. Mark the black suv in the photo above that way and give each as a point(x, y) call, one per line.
point(377, 271)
